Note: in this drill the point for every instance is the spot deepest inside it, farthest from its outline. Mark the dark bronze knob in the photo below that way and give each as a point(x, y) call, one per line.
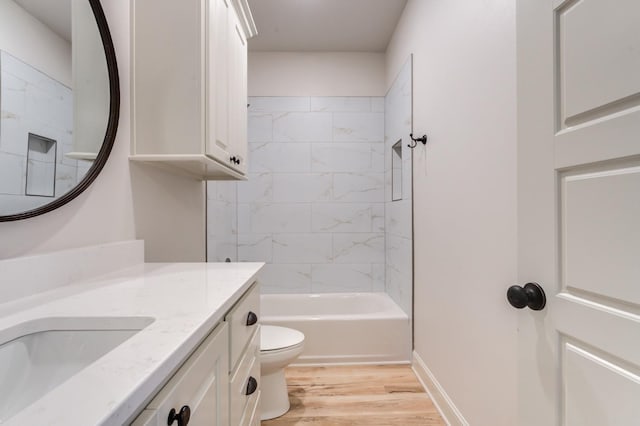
point(183, 416)
point(252, 318)
point(531, 295)
point(252, 385)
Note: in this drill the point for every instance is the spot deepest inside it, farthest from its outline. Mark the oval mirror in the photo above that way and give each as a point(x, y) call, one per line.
point(59, 102)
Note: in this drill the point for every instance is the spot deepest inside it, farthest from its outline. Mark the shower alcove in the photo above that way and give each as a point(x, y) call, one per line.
point(320, 208)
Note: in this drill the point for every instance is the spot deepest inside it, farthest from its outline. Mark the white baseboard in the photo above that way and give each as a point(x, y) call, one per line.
point(441, 400)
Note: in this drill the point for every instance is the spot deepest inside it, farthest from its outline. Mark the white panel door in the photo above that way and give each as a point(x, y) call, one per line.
point(579, 211)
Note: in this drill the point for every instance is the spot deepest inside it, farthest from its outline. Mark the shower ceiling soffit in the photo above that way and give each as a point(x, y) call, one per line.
point(324, 25)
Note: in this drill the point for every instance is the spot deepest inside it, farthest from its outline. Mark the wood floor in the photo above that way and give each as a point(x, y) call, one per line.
point(356, 395)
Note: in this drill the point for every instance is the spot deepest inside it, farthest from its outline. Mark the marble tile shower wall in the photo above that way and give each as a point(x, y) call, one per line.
point(313, 207)
point(398, 213)
point(222, 221)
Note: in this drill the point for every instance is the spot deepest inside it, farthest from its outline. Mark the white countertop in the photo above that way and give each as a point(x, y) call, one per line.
point(185, 299)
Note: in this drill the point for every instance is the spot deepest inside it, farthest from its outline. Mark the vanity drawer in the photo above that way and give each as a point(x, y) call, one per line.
point(241, 323)
point(248, 370)
point(251, 412)
point(201, 384)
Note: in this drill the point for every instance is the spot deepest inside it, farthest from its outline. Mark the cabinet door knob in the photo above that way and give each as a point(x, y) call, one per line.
point(183, 416)
point(252, 318)
point(252, 385)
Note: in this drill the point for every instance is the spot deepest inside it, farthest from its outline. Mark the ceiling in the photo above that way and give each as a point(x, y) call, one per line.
point(324, 25)
point(54, 14)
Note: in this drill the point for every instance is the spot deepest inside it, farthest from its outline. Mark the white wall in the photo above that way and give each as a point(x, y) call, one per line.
point(106, 211)
point(29, 40)
point(316, 74)
point(464, 198)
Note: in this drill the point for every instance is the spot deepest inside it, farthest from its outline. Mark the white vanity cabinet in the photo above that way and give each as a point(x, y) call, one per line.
point(219, 384)
point(200, 386)
point(244, 359)
point(190, 85)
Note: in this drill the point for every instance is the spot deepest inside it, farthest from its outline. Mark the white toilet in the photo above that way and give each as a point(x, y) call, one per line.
point(279, 346)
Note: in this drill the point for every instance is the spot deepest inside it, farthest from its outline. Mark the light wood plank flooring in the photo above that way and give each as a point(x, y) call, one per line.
point(356, 395)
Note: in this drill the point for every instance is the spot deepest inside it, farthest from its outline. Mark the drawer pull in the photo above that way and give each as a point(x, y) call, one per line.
point(252, 318)
point(252, 385)
point(182, 417)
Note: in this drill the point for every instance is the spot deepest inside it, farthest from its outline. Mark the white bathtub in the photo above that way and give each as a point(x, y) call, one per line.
point(343, 328)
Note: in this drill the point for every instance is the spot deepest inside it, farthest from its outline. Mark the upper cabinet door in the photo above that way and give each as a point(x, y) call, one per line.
point(238, 98)
point(226, 86)
point(217, 40)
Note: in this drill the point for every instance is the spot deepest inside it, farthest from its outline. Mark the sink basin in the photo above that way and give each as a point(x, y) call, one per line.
point(36, 356)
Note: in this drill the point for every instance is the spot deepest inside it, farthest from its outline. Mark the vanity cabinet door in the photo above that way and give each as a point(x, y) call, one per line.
point(244, 358)
point(201, 384)
point(243, 394)
point(243, 320)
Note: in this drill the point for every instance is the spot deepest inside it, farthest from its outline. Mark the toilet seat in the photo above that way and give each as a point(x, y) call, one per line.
point(275, 338)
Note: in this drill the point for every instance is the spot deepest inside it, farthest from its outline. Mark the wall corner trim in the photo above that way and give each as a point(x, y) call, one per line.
point(441, 400)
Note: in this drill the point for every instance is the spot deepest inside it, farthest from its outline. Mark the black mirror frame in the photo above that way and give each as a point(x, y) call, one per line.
point(112, 124)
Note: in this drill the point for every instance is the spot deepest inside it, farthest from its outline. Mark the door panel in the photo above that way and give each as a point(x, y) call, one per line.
point(605, 138)
point(596, 43)
point(598, 390)
point(608, 328)
point(579, 204)
point(600, 236)
point(597, 77)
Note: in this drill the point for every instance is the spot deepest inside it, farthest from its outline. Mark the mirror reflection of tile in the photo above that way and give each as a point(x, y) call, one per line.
point(41, 166)
point(36, 130)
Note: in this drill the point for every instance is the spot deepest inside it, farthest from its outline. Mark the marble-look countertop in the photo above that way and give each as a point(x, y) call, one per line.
point(186, 300)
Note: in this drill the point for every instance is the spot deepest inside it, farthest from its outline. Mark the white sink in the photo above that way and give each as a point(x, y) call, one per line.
point(36, 356)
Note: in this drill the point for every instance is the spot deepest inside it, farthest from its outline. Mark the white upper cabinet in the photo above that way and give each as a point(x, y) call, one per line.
point(238, 103)
point(190, 85)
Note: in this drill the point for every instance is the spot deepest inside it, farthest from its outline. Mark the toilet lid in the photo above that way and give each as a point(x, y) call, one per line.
point(273, 337)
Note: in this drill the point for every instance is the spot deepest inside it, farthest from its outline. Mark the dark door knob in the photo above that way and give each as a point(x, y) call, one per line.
point(531, 295)
point(183, 416)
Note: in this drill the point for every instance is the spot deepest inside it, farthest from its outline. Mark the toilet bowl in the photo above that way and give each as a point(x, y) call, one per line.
point(279, 346)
